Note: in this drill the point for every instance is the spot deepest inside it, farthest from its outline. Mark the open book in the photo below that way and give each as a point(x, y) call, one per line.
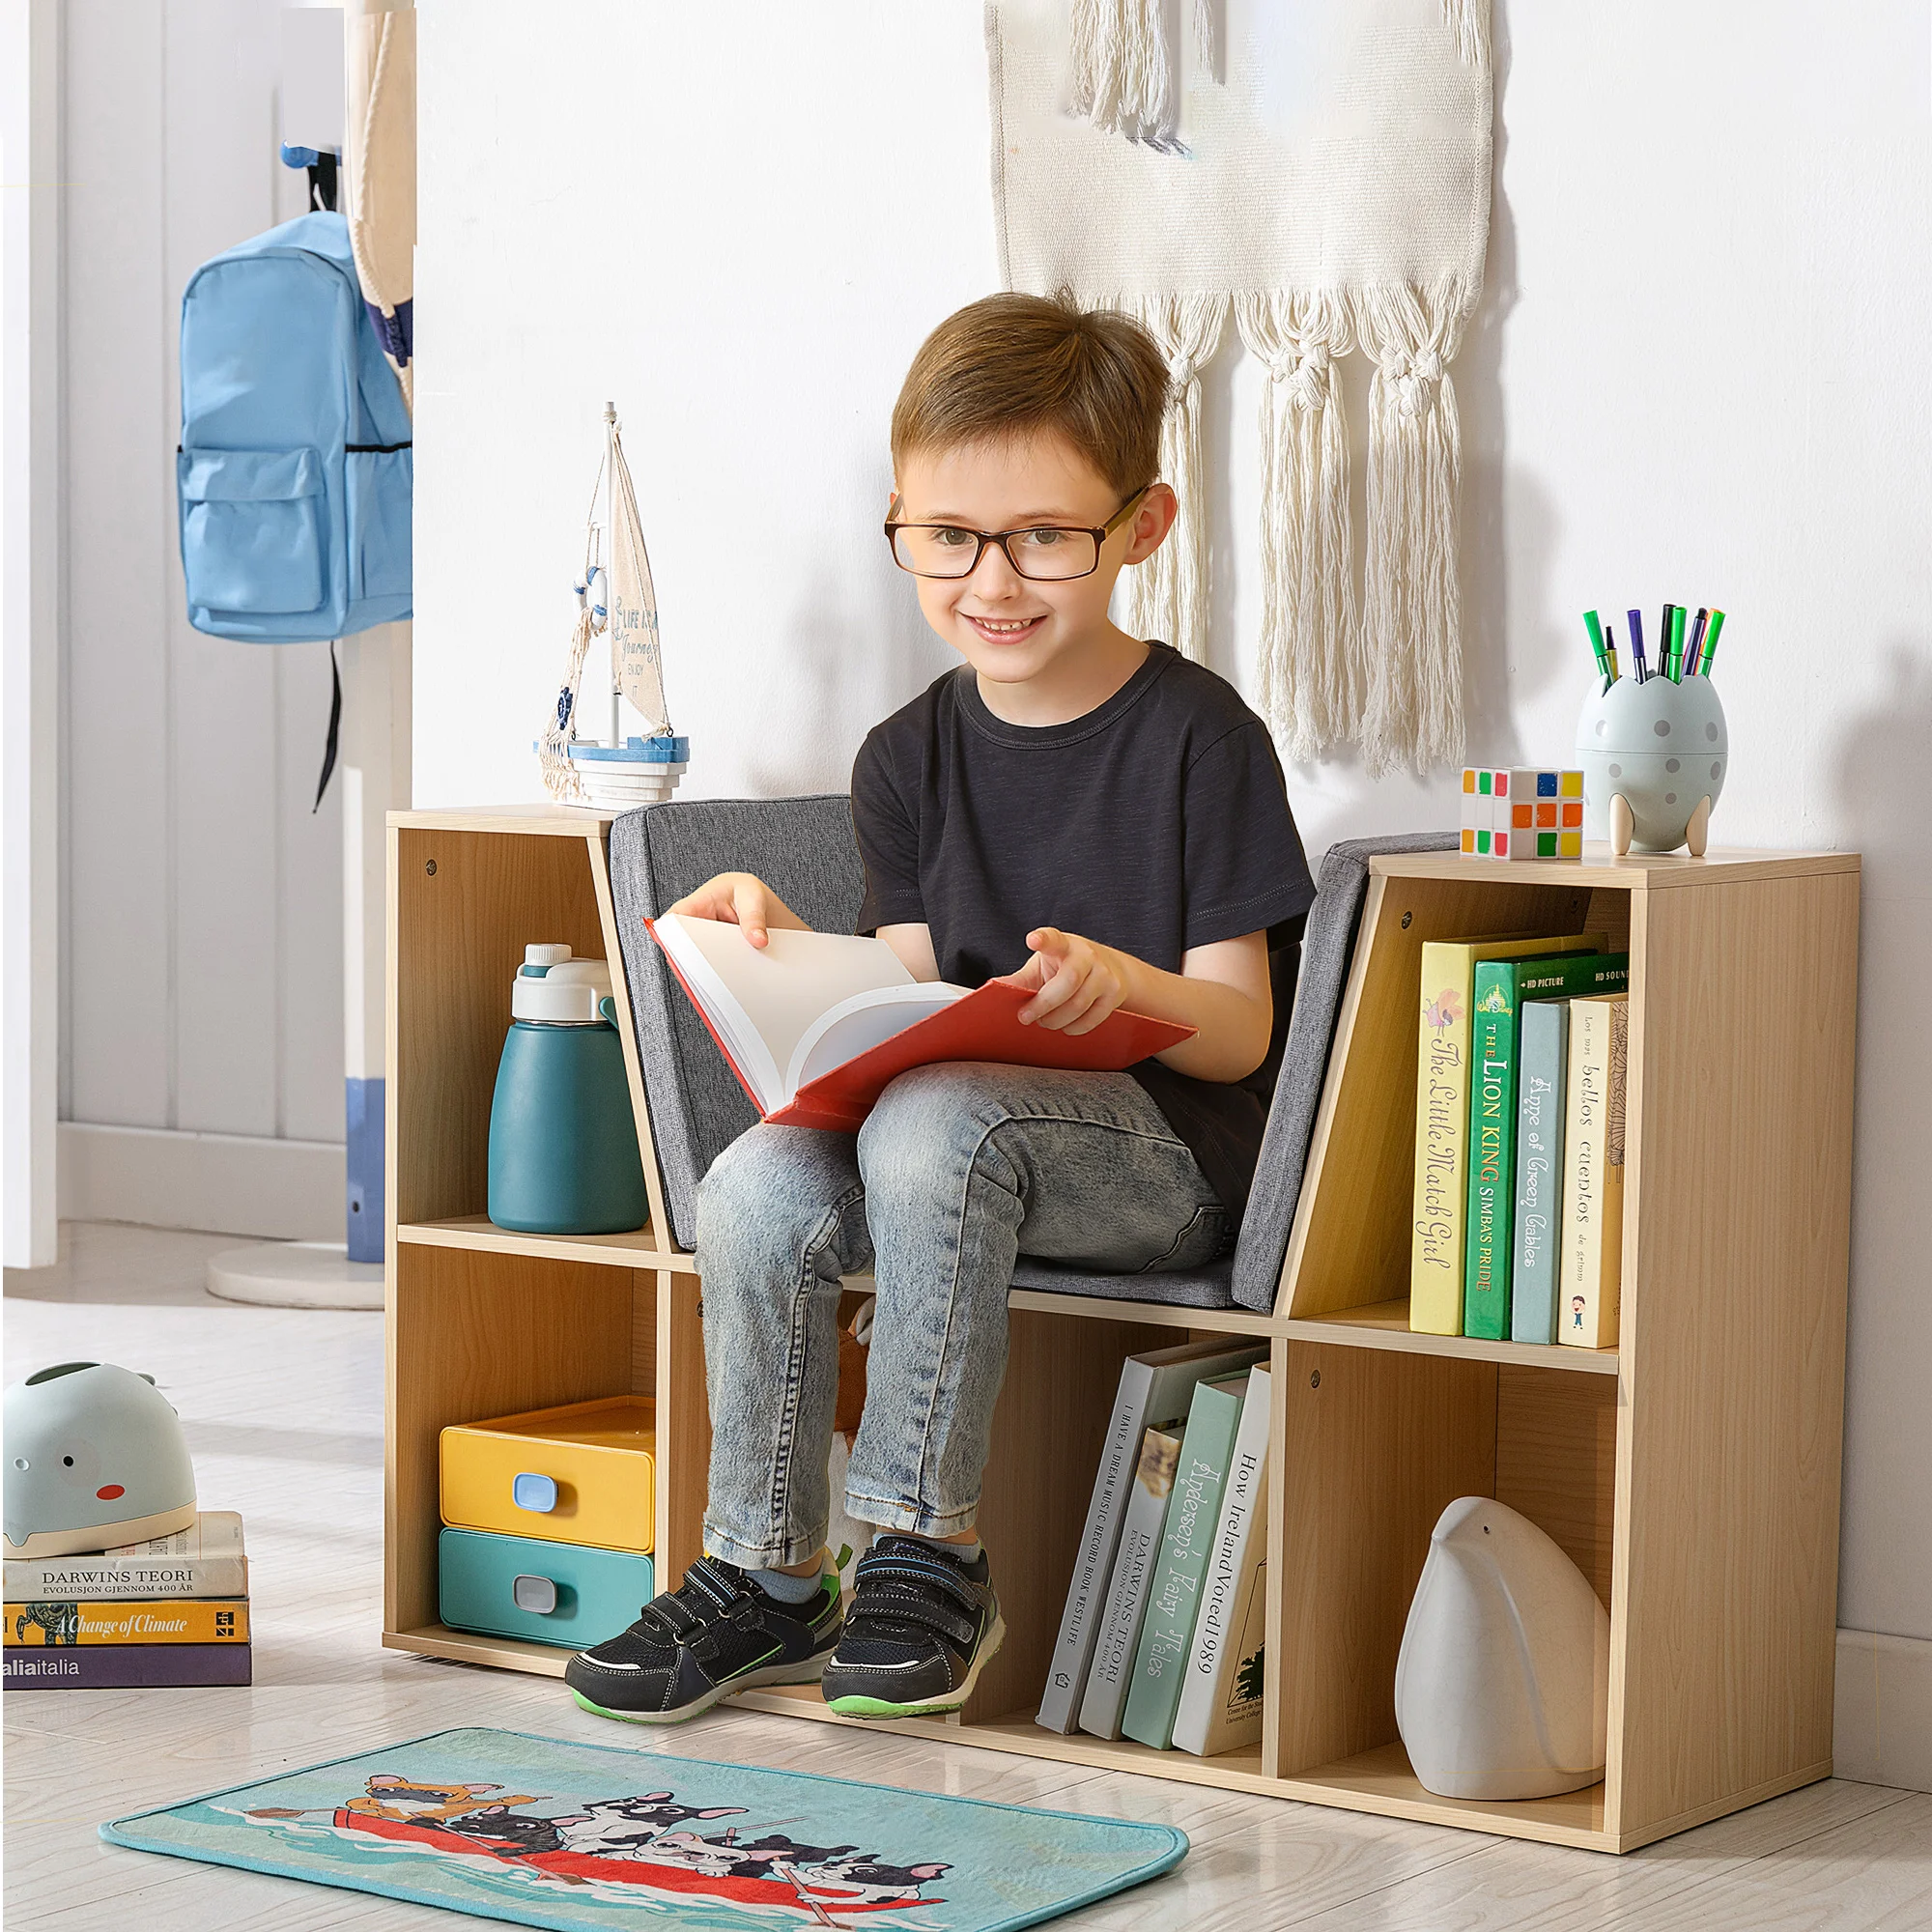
point(817, 1025)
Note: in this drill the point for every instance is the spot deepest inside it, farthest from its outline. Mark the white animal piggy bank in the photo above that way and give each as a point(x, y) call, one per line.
point(1503, 1685)
point(96, 1459)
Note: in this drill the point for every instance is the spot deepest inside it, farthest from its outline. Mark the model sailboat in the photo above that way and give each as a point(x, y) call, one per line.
point(610, 743)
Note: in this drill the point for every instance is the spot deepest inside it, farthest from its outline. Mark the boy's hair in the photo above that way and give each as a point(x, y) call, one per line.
point(1012, 365)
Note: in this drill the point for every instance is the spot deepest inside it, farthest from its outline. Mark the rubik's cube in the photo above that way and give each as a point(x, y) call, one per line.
point(1522, 814)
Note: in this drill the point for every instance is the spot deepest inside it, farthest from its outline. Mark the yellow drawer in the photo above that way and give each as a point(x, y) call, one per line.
point(586, 1473)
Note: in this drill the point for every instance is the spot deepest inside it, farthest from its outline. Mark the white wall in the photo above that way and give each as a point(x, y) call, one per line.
point(203, 955)
point(1700, 374)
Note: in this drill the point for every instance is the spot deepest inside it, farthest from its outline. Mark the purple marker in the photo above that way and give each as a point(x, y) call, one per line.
point(1637, 647)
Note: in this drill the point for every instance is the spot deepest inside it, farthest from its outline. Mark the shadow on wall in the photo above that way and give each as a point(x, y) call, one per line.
point(1883, 778)
point(1499, 518)
point(856, 649)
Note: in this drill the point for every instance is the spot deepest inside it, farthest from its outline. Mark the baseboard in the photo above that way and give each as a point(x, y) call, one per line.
point(225, 1184)
point(1882, 1730)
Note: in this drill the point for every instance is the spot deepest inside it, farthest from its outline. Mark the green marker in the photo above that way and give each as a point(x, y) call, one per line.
point(1677, 643)
point(1594, 625)
point(1711, 640)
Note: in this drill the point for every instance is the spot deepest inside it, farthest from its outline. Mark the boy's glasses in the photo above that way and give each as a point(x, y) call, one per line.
point(1050, 554)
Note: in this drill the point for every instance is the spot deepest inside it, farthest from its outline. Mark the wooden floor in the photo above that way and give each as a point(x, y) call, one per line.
point(284, 1413)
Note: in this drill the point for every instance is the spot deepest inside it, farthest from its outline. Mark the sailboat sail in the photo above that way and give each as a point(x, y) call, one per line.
point(634, 604)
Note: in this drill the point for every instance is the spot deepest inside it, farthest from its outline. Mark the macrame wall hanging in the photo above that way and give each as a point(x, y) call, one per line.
point(1321, 179)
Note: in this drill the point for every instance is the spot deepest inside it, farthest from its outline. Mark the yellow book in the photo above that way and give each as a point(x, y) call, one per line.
point(1442, 1116)
point(106, 1620)
point(1593, 1181)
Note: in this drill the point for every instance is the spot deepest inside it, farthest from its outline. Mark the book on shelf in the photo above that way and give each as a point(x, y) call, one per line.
point(127, 1667)
point(1174, 1596)
point(1113, 1665)
point(1501, 992)
point(817, 1025)
point(1537, 1254)
point(50, 1624)
point(1155, 1391)
point(1220, 1707)
point(1593, 1185)
point(206, 1559)
point(1437, 1251)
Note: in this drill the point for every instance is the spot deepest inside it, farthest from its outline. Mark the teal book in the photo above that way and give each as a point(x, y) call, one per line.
point(1536, 1262)
point(1193, 1510)
point(1502, 988)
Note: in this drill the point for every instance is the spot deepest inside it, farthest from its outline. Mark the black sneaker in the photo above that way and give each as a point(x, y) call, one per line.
point(921, 1629)
point(716, 1633)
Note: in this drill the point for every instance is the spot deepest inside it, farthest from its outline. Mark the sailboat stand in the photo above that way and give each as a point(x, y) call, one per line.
point(632, 757)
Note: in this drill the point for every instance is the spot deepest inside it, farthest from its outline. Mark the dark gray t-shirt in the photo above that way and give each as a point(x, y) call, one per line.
point(1157, 822)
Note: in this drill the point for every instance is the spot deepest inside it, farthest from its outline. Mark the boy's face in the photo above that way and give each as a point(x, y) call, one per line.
point(1010, 628)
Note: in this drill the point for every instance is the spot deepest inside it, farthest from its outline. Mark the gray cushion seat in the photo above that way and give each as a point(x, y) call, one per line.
point(804, 848)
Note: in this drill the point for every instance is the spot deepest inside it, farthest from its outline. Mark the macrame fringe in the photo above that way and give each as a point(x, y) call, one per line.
point(1124, 78)
point(1119, 69)
point(559, 775)
point(1411, 597)
point(1470, 21)
point(1167, 595)
point(1307, 674)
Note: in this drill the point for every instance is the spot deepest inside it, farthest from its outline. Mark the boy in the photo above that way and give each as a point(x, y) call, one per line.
point(1105, 824)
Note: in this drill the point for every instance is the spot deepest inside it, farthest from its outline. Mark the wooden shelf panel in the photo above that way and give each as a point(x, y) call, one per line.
point(1635, 872)
point(1159, 1314)
point(478, 1232)
point(1381, 1781)
point(500, 1653)
point(1385, 1325)
point(552, 821)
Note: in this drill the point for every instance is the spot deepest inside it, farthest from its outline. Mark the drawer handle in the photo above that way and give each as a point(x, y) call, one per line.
point(529, 1492)
point(535, 1594)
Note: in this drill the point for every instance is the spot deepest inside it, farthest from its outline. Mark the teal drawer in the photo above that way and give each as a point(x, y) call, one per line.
point(562, 1593)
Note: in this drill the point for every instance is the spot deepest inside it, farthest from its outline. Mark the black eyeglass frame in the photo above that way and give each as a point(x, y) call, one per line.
point(981, 538)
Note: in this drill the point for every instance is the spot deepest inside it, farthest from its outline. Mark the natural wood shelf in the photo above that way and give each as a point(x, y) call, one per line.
point(504, 1653)
point(1692, 1472)
point(1385, 1325)
point(478, 1232)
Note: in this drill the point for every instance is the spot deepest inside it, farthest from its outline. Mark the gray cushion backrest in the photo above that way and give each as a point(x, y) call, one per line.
point(1327, 945)
point(805, 850)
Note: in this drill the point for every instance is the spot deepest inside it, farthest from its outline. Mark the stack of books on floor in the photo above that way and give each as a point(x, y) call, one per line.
point(1519, 1140)
point(168, 1612)
point(1161, 1641)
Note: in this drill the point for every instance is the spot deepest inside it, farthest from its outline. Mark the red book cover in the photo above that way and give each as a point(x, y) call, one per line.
point(984, 1025)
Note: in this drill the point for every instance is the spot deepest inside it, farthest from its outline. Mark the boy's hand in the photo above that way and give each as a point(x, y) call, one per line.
point(1077, 983)
point(740, 899)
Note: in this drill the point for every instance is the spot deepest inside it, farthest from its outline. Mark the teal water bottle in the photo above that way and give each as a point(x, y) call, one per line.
point(563, 1145)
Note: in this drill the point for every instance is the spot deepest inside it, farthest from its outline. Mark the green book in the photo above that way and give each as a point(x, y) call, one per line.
point(1500, 989)
point(1193, 1510)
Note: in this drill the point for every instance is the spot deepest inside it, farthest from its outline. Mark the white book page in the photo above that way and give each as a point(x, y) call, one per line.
point(856, 1025)
point(763, 999)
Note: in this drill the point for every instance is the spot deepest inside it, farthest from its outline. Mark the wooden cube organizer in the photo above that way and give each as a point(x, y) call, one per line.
point(1692, 1471)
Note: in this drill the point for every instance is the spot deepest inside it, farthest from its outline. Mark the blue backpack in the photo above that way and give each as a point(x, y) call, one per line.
point(294, 468)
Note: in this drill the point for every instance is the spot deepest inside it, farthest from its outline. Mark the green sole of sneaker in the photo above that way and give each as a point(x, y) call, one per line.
point(751, 1680)
point(931, 1707)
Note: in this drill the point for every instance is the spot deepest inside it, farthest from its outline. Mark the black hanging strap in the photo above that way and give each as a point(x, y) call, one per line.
point(334, 728)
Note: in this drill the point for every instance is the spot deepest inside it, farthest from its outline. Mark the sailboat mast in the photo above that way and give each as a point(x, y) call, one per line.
point(616, 735)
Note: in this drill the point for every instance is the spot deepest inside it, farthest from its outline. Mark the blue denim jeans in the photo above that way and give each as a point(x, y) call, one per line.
point(959, 1169)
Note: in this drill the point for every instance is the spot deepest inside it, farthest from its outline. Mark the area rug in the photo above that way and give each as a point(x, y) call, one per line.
point(593, 1838)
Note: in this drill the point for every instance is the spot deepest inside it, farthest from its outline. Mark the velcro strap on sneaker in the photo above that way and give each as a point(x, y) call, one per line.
point(927, 1571)
point(907, 1606)
point(724, 1590)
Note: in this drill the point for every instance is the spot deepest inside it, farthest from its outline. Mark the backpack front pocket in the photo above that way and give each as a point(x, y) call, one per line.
point(251, 528)
point(378, 485)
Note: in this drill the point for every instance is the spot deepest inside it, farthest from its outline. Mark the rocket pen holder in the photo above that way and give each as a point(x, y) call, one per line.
point(1654, 757)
